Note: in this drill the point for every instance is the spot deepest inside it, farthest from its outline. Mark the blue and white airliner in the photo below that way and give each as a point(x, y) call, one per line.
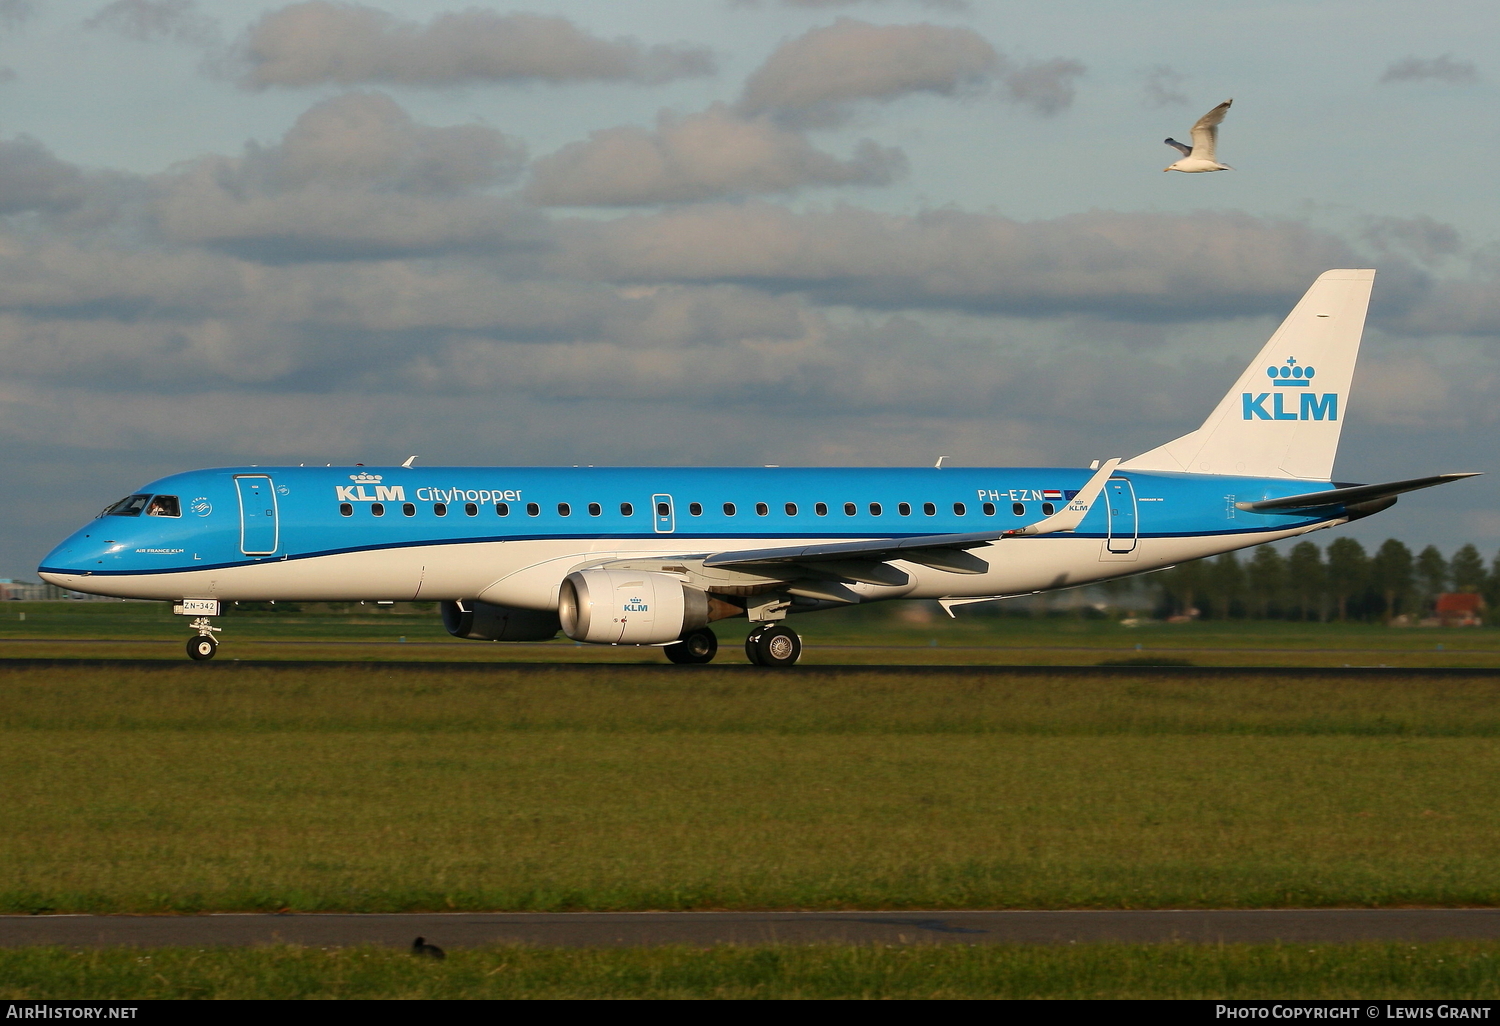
point(653, 556)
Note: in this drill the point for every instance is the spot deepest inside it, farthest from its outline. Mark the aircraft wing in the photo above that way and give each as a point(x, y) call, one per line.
point(939, 551)
point(1347, 496)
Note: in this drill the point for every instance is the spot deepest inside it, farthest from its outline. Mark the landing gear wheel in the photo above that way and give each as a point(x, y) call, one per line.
point(773, 646)
point(202, 647)
point(696, 646)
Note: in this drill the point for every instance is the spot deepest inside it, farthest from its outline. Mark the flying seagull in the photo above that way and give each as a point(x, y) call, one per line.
point(1200, 155)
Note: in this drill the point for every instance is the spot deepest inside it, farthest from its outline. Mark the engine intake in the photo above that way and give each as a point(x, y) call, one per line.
point(481, 621)
point(628, 607)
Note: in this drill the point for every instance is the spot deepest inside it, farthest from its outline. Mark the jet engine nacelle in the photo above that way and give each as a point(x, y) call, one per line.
point(628, 607)
point(481, 621)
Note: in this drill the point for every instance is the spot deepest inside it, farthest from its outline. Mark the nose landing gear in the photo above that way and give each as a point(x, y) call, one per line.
point(205, 644)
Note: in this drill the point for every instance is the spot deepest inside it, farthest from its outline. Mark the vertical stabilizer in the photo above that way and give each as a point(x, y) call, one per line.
point(1283, 416)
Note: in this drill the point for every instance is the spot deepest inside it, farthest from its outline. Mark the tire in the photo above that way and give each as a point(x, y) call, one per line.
point(695, 647)
point(201, 648)
point(774, 646)
point(752, 648)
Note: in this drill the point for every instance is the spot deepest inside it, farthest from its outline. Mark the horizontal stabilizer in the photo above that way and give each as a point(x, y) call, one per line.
point(1347, 496)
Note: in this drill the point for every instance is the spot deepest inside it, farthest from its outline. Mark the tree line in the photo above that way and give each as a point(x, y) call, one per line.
point(1343, 582)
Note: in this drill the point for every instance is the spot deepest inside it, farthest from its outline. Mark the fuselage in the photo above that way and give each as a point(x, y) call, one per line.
point(510, 535)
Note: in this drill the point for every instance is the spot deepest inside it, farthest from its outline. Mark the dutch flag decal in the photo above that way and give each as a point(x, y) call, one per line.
point(1051, 494)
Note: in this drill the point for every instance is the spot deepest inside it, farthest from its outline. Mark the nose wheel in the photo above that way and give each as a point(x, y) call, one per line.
point(776, 645)
point(203, 646)
point(696, 646)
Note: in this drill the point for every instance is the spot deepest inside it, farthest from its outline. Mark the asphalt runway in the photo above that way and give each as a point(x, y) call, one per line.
point(223, 665)
point(705, 929)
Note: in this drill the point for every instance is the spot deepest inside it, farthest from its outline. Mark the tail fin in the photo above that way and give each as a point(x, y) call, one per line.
point(1283, 416)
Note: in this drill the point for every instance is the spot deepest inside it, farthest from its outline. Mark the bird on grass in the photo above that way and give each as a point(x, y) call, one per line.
point(421, 947)
point(1200, 156)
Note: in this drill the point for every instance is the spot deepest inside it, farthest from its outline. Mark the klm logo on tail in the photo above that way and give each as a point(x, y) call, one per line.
point(1311, 405)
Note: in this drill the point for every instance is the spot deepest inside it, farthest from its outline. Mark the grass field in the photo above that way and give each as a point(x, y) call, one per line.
point(252, 787)
point(875, 635)
point(1365, 971)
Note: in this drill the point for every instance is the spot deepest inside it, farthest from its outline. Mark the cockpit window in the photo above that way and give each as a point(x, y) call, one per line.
point(164, 506)
point(130, 506)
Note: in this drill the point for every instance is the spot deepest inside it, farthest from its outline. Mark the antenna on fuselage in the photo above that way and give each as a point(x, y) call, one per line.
point(409, 461)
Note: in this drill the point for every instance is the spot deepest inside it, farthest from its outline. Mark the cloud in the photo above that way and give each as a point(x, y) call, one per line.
point(14, 12)
point(1421, 237)
point(1044, 86)
point(354, 178)
point(813, 79)
point(148, 20)
point(31, 178)
point(946, 5)
point(320, 42)
point(1131, 266)
point(1431, 69)
point(1161, 84)
point(710, 154)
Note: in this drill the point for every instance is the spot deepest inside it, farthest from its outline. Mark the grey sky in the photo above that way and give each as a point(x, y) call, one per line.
point(693, 231)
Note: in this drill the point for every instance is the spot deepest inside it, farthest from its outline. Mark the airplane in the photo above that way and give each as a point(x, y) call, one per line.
point(653, 556)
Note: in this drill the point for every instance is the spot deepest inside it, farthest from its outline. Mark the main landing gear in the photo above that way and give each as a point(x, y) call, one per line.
point(204, 645)
point(696, 646)
point(773, 645)
point(769, 644)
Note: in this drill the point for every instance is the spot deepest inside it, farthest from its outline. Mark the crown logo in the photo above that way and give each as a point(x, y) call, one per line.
point(365, 478)
point(1291, 373)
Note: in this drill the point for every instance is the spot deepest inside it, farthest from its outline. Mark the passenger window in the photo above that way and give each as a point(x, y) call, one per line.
point(627, 510)
point(408, 510)
point(761, 509)
point(821, 509)
point(904, 509)
point(164, 506)
point(439, 509)
point(874, 509)
point(1048, 509)
point(1019, 509)
point(663, 510)
point(929, 509)
point(533, 510)
point(695, 508)
point(564, 510)
point(130, 506)
point(959, 509)
point(989, 509)
point(729, 509)
point(791, 509)
point(346, 510)
point(595, 509)
point(850, 509)
point(502, 509)
point(377, 509)
point(470, 509)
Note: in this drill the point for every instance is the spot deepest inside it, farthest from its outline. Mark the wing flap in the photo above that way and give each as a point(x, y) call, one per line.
point(877, 550)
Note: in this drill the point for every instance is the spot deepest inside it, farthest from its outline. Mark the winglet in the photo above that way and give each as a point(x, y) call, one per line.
point(409, 461)
point(1071, 515)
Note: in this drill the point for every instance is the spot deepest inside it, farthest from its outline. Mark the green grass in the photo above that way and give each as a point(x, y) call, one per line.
point(872, 635)
point(263, 787)
point(1364, 971)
